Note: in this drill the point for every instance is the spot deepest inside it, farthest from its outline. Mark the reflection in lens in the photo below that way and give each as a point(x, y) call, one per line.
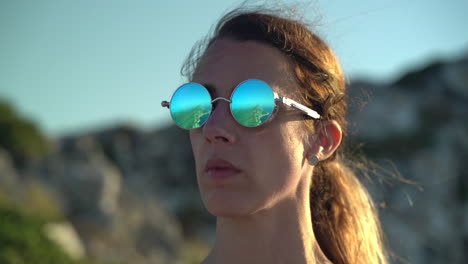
point(252, 103)
point(191, 106)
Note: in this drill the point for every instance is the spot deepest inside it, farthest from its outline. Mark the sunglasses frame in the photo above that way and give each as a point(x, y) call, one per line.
point(287, 101)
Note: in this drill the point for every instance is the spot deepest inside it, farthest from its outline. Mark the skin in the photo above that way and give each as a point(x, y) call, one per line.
point(263, 213)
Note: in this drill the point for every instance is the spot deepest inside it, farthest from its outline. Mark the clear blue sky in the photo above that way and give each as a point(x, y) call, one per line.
point(77, 65)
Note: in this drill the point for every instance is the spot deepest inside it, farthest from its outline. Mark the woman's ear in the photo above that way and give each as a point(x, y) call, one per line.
point(326, 140)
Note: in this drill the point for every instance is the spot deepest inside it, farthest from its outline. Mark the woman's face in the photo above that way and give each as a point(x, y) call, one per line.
point(244, 170)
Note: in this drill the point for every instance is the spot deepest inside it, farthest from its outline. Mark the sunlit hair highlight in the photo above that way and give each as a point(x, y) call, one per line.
point(344, 218)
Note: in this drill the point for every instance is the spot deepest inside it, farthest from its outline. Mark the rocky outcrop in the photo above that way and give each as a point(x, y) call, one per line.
point(417, 128)
point(112, 200)
point(64, 234)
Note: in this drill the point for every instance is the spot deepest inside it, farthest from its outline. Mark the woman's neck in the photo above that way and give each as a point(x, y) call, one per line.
point(282, 234)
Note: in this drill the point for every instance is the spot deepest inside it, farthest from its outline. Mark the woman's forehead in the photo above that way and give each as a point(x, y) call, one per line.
point(229, 62)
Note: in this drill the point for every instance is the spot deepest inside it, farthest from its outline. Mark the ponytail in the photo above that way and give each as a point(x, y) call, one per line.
point(344, 218)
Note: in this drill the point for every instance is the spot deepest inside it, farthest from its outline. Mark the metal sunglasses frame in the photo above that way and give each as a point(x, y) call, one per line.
point(287, 101)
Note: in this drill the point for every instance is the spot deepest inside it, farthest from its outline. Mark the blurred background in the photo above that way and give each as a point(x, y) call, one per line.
point(92, 169)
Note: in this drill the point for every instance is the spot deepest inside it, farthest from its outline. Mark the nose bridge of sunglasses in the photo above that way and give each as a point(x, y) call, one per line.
point(220, 112)
point(220, 98)
point(215, 103)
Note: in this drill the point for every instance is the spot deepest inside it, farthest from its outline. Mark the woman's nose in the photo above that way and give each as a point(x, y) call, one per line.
point(219, 128)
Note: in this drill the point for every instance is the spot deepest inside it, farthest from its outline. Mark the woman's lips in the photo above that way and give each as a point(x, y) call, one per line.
point(219, 169)
point(221, 173)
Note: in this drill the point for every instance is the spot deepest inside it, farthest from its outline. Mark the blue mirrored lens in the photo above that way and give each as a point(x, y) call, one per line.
point(252, 103)
point(191, 106)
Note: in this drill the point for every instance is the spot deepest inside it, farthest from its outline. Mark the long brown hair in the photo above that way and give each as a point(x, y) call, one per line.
point(344, 218)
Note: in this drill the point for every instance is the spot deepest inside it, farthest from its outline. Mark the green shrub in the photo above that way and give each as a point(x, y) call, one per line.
point(22, 240)
point(19, 136)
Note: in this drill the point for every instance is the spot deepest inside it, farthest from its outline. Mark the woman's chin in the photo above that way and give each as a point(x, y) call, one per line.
point(226, 204)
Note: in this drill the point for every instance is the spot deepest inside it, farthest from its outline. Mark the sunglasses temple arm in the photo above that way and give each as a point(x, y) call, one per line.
point(165, 104)
point(299, 106)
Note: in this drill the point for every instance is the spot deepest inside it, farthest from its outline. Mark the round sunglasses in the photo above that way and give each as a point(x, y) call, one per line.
point(252, 103)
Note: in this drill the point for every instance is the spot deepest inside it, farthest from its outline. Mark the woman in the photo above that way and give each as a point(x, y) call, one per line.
point(266, 112)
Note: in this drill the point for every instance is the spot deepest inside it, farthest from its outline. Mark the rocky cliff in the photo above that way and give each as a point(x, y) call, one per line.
point(416, 130)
